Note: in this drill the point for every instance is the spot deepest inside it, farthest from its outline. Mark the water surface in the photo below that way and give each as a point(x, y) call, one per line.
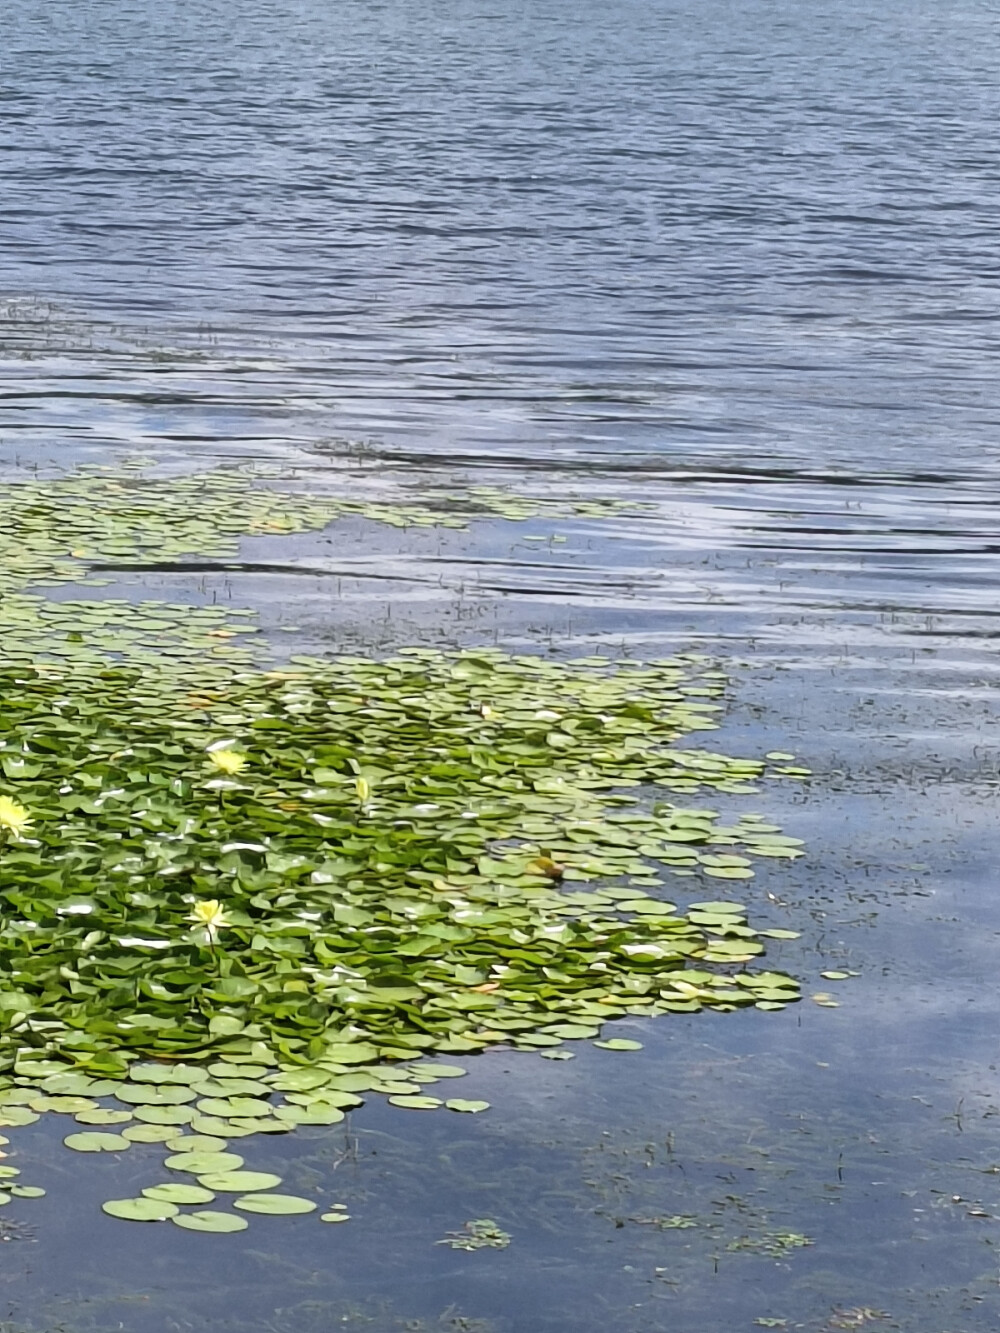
point(735, 262)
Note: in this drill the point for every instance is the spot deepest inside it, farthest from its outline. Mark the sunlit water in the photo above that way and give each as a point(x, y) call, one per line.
point(735, 262)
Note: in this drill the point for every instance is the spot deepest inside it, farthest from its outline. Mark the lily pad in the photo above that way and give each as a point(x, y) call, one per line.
point(95, 1141)
point(140, 1210)
point(209, 1220)
point(238, 1181)
point(274, 1204)
point(179, 1193)
point(201, 1163)
point(463, 1104)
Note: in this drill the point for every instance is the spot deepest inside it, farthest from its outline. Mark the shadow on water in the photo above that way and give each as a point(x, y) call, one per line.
point(731, 268)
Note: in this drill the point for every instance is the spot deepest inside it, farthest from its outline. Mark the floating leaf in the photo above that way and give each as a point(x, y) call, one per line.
point(148, 1133)
point(461, 1104)
point(619, 1044)
point(208, 1220)
point(140, 1210)
point(274, 1204)
point(179, 1193)
point(94, 1141)
point(103, 1116)
point(203, 1162)
point(238, 1181)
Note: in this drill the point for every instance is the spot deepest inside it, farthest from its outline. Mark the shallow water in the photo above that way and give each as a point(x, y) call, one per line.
point(735, 263)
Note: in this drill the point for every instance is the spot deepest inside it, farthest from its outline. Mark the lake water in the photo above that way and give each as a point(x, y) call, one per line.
point(737, 262)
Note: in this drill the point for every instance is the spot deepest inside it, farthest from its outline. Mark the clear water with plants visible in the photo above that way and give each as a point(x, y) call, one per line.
point(497, 677)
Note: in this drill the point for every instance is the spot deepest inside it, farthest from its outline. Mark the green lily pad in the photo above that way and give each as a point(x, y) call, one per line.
point(67, 1105)
point(155, 1094)
point(179, 1193)
point(201, 1163)
point(209, 1220)
point(431, 1069)
point(310, 1115)
point(462, 1104)
point(164, 1115)
point(140, 1210)
point(195, 1143)
point(235, 1106)
point(148, 1133)
point(238, 1181)
point(94, 1141)
point(274, 1204)
point(103, 1116)
point(17, 1115)
point(416, 1103)
point(619, 1044)
point(212, 1126)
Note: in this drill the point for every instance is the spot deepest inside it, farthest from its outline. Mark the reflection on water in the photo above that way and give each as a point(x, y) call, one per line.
point(734, 265)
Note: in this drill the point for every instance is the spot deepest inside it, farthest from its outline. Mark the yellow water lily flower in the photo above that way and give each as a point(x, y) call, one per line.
point(363, 789)
point(210, 916)
point(229, 761)
point(13, 816)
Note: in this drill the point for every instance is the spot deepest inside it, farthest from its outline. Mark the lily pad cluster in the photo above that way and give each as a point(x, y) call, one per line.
point(84, 528)
point(234, 901)
point(237, 909)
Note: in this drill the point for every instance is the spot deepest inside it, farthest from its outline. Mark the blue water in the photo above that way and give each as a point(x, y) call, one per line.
point(736, 261)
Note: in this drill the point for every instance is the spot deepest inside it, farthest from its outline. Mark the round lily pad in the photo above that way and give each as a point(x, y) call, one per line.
point(179, 1193)
point(238, 1181)
point(103, 1116)
point(95, 1141)
point(235, 1106)
point(310, 1115)
point(202, 1162)
point(214, 1126)
point(208, 1220)
point(148, 1133)
point(416, 1103)
point(335, 1217)
point(462, 1104)
point(26, 1191)
point(140, 1210)
point(164, 1115)
point(274, 1204)
point(67, 1104)
point(619, 1044)
point(155, 1094)
point(195, 1143)
point(151, 1072)
point(17, 1115)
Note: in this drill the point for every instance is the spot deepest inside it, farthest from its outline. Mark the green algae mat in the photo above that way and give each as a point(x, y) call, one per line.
point(239, 898)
